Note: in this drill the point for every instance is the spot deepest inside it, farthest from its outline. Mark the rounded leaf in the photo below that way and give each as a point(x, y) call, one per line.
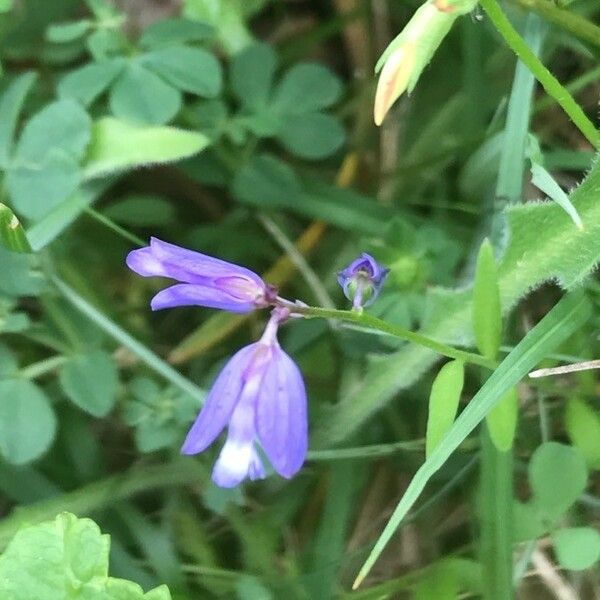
point(577, 548)
point(306, 88)
point(90, 381)
point(141, 96)
point(27, 421)
point(189, 69)
point(558, 476)
point(312, 135)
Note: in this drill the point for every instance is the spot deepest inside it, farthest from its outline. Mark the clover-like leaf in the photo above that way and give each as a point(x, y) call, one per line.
point(27, 421)
point(140, 96)
point(577, 548)
point(90, 381)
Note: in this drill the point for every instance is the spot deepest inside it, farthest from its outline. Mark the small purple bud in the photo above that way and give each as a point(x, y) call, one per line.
point(362, 280)
point(260, 397)
point(205, 281)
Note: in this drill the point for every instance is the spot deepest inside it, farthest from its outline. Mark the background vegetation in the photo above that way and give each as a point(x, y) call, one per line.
point(244, 129)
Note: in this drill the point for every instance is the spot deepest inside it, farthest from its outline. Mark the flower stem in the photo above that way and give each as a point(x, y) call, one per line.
point(371, 322)
point(552, 86)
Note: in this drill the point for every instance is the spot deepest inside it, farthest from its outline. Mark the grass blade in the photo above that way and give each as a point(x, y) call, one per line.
point(565, 318)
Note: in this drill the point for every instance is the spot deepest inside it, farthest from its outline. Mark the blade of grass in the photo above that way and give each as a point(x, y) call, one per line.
point(120, 335)
point(565, 318)
point(552, 86)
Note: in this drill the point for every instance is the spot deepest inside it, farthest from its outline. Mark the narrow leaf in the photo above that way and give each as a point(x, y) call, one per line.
point(12, 234)
point(487, 311)
point(565, 318)
point(583, 427)
point(118, 146)
point(443, 402)
point(11, 104)
point(547, 184)
point(502, 421)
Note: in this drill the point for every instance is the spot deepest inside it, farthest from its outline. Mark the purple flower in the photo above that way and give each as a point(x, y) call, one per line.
point(362, 280)
point(205, 281)
point(260, 396)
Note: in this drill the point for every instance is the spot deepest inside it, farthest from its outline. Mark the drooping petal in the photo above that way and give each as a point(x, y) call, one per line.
point(281, 415)
point(196, 266)
point(220, 402)
point(189, 294)
point(238, 458)
point(235, 463)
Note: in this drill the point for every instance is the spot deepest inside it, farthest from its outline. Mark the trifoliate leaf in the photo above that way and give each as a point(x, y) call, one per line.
point(188, 69)
point(143, 97)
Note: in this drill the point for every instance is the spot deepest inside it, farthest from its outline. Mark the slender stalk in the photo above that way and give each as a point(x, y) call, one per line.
point(114, 227)
point(552, 86)
point(371, 322)
point(42, 367)
point(112, 329)
point(565, 19)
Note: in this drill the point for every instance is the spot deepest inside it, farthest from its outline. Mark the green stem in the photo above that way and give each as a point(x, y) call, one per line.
point(42, 367)
point(112, 329)
point(574, 86)
point(552, 86)
point(565, 19)
point(114, 227)
point(371, 322)
point(496, 520)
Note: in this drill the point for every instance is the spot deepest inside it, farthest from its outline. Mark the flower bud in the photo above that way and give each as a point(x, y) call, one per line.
point(410, 52)
point(362, 280)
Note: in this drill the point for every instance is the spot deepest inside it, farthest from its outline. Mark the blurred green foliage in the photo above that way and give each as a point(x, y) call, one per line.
point(206, 122)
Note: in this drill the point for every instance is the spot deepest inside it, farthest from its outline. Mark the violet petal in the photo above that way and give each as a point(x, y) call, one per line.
point(220, 402)
point(281, 417)
point(188, 294)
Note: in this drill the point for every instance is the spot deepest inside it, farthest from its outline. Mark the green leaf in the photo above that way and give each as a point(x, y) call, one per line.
point(118, 146)
point(174, 31)
point(90, 381)
point(5, 6)
point(565, 318)
point(27, 421)
point(142, 97)
point(61, 216)
point(61, 33)
point(583, 427)
point(577, 548)
point(252, 72)
point(542, 245)
point(502, 421)
point(88, 82)
point(443, 402)
point(227, 17)
point(12, 234)
point(546, 183)
point(17, 278)
point(487, 311)
point(142, 211)
point(67, 557)
point(8, 363)
point(188, 69)
point(558, 477)
point(38, 188)
point(306, 88)
point(264, 181)
point(311, 135)
point(11, 104)
point(63, 125)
